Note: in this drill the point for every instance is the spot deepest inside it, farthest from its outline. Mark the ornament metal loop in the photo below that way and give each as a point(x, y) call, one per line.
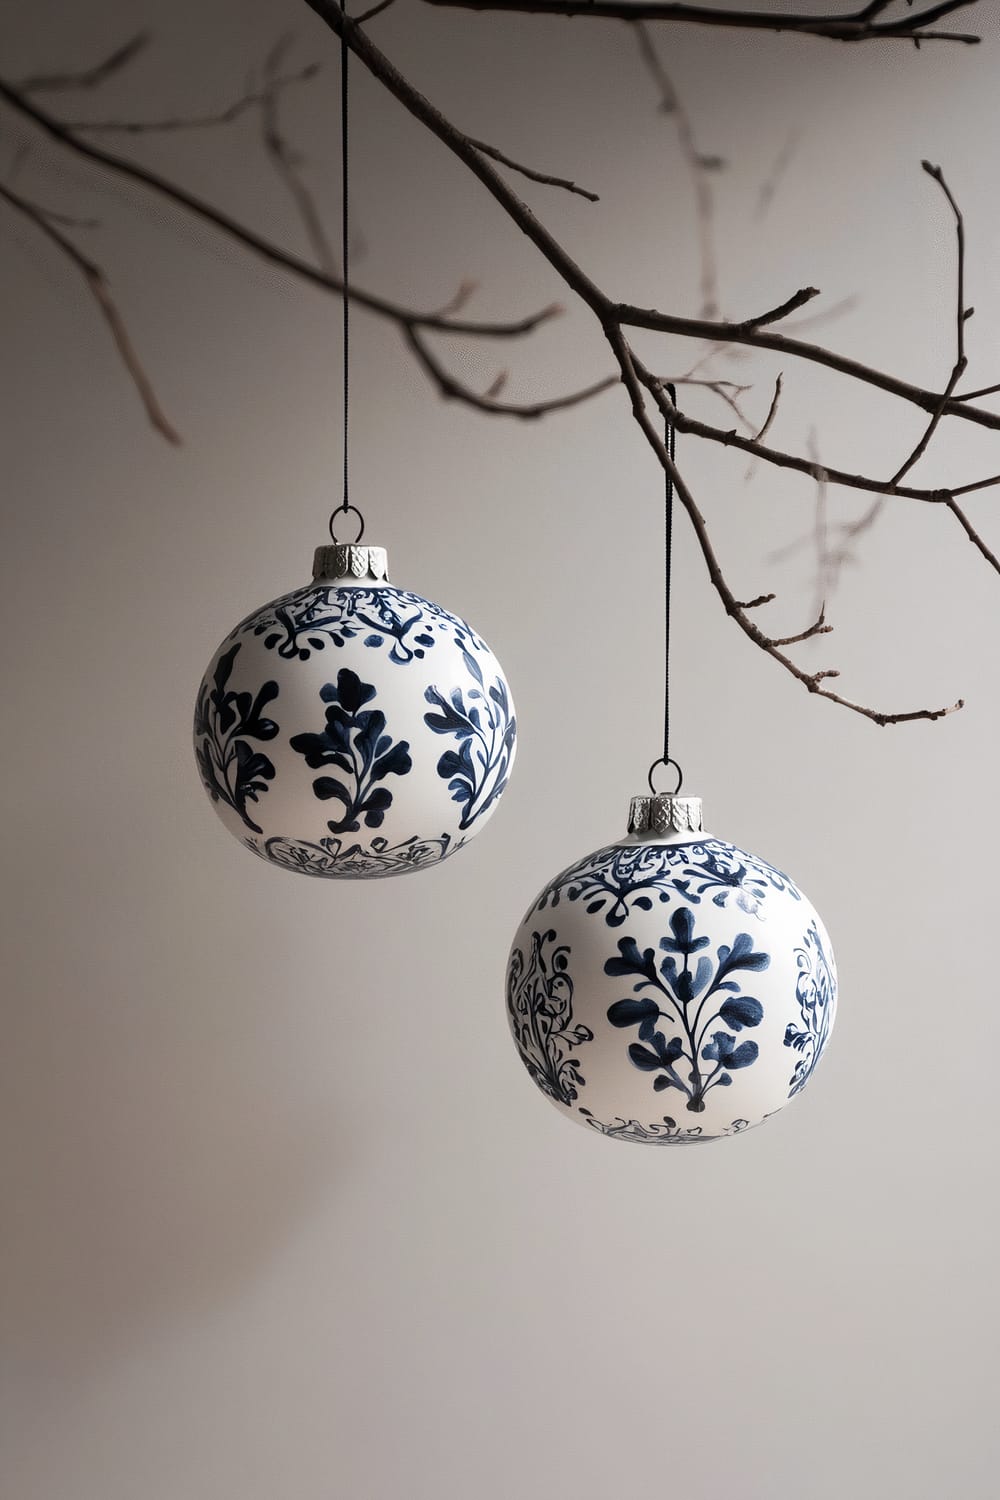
point(665, 764)
point(345, 510)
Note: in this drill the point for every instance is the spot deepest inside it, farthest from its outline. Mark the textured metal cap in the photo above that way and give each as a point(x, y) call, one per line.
point(663, 814)
point(349, 560)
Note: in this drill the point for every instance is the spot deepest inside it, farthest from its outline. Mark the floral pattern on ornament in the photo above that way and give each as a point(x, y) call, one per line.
point(666, 1132)
point(695, 1059)
point(540, 1004)
point(335, 857)
point(624, 877)
point(481, 721)
point(354, 743)
point(815, 991)
point(324, 614)
point(225, 722)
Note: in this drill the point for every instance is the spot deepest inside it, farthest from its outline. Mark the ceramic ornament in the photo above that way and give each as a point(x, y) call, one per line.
point(351, 728)
point(671, 988)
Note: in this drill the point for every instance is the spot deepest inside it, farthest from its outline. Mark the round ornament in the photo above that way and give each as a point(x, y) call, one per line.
point(354, 729)
point(671, 988)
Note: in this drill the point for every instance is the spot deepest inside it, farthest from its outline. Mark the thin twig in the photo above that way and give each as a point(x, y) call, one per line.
point(453, 389)
point(772, 411)
point(273, 254)
point(376, 10)
point(543, 177)
point(287, 162)
point(769, 187)
point(791, 304)
point(253, 99)
point(98, 285)
point(635, 377)
point(963, 314)
point(972, 533)
point(89, 78)
point(819, 627)
point(672, 104)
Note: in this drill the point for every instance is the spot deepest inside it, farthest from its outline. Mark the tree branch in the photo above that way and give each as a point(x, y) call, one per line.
point(529, 172)
point(97, 284)
point(857, 26)
point(89, 78)
point(256, 243)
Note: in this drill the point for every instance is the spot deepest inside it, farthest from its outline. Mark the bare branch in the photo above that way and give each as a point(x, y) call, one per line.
point(251, 100)
point(857, 26)
point(819, 627)
point(543, 177)
point(769, 187)
point(287, 162)
point(963, 314)
point(90, 78)
point(755, 603)
point(635, 376)
point(791, 304)
point(273, 254)
point(753, 335)
point(101, 292)
point(987, 390)
point(671, 104)
point(453, 389)
point(376, 10)
point(972, 533)
point(772, 411)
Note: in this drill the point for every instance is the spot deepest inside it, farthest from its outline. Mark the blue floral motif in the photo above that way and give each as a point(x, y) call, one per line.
point(815, 991)
point(689, 993)
point(540, 1004)
point(336, 857)
point(477, 771)
point(224, 722)
point(354, 741)
point(663, 1133)
point(320, 614)
point(620, 878)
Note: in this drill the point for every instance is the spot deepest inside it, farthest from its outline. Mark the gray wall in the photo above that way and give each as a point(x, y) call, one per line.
point(282, 1213)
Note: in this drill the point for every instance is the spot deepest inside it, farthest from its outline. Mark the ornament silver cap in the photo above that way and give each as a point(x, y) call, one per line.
point(664, 814)
point(348, 560)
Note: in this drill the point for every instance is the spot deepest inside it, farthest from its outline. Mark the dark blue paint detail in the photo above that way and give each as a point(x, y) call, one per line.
point(540, 1004)
point(815, 991)
point(481, 721)
point(324, 614)
point(666, 1132)
point(622, 878)
point(354, 742)
point(224, 722)
point(697, 1059)
point(340, 858)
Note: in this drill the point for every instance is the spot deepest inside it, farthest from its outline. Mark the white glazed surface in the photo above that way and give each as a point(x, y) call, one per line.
point(354, 730)
point(763, 982)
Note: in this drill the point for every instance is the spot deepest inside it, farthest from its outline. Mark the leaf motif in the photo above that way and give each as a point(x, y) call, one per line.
point(351, 691)
point(742, 1010)
point(744, 1055)
point(643, 1058)
point(631, 961)
point(684, 941)
point(632, 1012)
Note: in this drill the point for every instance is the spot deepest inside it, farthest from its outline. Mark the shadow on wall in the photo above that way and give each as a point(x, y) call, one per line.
point(156, 1145)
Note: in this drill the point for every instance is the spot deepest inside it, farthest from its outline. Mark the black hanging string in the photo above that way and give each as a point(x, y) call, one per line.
point(345, 506)
point(665, 760)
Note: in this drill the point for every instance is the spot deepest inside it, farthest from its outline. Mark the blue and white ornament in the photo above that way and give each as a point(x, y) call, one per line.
point(670, 988)
point(354, 729)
